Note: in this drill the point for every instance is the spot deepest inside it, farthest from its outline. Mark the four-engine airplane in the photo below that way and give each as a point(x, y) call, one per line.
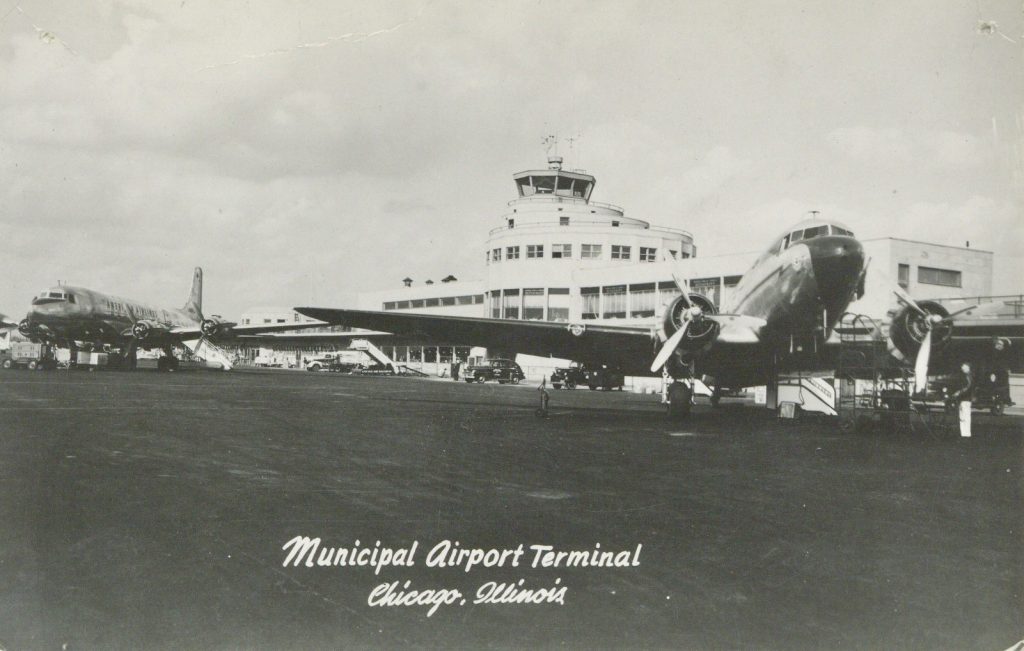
point(782, 312)
point(66, 315)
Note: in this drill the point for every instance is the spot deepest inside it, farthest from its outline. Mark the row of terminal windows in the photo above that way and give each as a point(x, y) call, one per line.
point(634, 301)
point(587, 252)
point(929, 276)
point(445, 301)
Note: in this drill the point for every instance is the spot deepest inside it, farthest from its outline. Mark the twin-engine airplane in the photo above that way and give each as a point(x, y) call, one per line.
point(780, 318)
point(68, 315)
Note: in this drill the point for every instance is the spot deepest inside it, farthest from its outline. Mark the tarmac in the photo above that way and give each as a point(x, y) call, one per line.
point(147, 510)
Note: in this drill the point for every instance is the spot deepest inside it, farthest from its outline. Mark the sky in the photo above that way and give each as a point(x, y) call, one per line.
point(303, 152)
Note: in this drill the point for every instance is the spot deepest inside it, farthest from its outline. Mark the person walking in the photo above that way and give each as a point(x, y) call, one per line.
point(962, 396)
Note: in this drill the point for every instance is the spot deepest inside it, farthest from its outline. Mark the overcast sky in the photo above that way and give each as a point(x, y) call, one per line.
point(303, 151)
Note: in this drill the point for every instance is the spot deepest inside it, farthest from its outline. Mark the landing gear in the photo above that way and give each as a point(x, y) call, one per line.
point(716, 395)
point(680, 398)
point(168, 362)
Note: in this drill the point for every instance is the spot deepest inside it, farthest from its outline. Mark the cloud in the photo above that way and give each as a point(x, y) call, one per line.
point(896, 147)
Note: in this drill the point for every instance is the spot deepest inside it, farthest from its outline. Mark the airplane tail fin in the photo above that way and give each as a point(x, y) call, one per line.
point(194, 304)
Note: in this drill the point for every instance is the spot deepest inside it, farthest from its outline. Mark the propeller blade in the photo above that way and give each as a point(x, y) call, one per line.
point(921, 363)
point(677, 278)
point(669, 348)
point(905, 298)
point(950, 317)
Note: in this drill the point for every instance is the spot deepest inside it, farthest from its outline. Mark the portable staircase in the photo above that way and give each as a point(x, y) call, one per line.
point(383, 365)
point(213, 355)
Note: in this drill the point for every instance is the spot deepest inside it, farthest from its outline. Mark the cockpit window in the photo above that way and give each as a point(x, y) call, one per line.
point(841, 231)
point(817, 231)
point(796, 237)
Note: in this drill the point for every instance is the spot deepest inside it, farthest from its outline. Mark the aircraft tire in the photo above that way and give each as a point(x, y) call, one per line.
point(680, 396)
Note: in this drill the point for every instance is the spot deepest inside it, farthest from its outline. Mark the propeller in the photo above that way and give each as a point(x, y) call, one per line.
point(693, 312)
point(669, 347)
point(929, 321)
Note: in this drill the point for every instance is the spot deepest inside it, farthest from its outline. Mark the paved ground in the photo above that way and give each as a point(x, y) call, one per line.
point(144, 510)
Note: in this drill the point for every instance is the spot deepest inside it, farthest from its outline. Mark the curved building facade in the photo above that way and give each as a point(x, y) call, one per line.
point(552, 233)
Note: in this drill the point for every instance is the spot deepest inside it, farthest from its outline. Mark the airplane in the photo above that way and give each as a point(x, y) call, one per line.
point(780, 317)
point(66, 315)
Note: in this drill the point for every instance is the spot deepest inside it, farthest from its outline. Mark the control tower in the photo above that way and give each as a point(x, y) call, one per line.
point(555, 229)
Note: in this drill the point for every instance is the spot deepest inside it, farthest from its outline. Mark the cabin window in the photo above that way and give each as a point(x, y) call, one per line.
point(817, 231)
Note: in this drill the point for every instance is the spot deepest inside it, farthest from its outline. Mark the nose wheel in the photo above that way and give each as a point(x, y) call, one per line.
point(680, 399)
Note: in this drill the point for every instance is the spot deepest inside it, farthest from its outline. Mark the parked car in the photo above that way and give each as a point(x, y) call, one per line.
point(604, 377)
point(569, 377)
point(500, 370)
point(329, 363)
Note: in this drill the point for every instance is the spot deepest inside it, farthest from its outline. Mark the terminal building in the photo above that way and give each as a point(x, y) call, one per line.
point(557, 255)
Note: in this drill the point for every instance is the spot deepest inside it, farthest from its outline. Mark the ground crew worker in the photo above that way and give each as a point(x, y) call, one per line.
point(963, 395)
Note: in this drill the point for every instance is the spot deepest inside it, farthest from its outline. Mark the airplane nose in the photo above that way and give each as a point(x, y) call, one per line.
point(837, 261)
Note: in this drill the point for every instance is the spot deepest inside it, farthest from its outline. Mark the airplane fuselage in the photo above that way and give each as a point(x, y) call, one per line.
point(802, 290)
point(80, 314)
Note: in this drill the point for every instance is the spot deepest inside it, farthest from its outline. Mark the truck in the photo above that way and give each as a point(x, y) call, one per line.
point(25, 354)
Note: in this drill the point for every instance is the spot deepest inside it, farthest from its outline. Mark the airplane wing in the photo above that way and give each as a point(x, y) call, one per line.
point(630, 347)
point(241, 331)
point(973, 338)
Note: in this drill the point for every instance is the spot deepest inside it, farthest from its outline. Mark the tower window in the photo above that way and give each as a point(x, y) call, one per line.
point(534, 250)
point(648, 254)
point(590, 251)
point(561, 250)
point(512, 253)
point(620, 252)
point(563, 220)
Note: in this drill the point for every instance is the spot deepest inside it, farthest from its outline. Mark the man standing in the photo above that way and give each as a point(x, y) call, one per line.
point(963, 395)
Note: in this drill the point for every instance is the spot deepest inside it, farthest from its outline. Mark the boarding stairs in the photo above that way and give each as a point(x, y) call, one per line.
point(383, 362)
point(210, 352)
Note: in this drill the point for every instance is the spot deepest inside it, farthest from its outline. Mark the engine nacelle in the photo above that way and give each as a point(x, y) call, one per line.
point(26, 329)
point(700, 331)
point(215, 325)
point(143, 330)
point(909, 328)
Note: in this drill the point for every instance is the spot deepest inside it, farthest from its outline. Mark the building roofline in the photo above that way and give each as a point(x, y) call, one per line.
point(945, 246)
